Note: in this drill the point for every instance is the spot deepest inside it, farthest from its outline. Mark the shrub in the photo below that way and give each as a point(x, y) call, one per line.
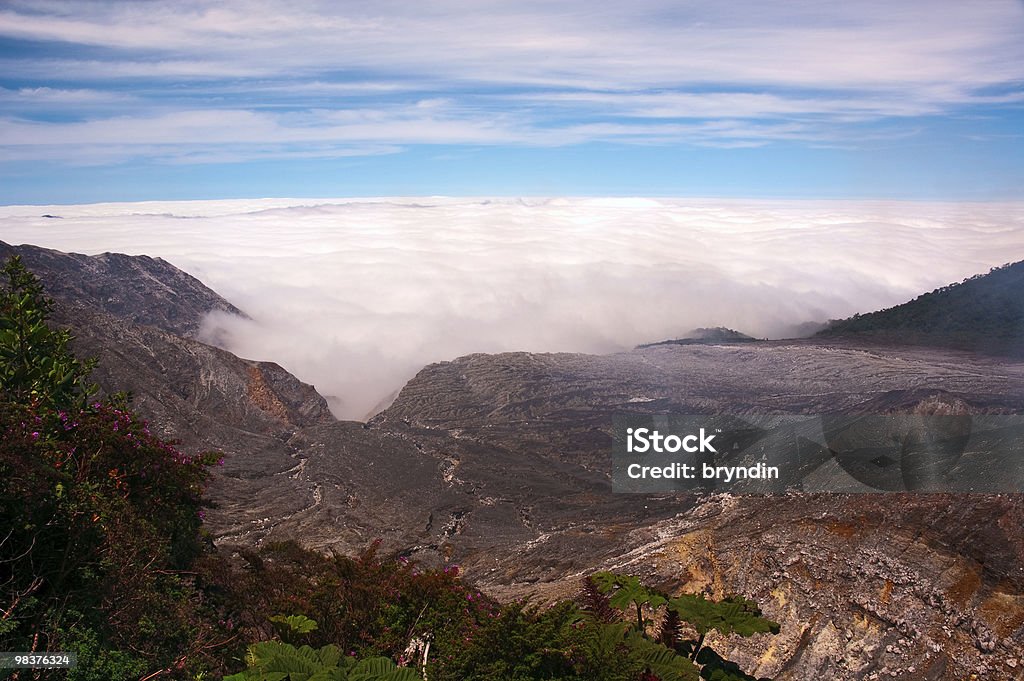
point(102, 518)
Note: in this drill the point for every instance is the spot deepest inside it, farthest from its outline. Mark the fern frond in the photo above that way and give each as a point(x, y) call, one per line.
point(595, 603)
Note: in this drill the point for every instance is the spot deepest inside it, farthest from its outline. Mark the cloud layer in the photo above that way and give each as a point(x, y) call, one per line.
point(355, 296)
point(117, 81)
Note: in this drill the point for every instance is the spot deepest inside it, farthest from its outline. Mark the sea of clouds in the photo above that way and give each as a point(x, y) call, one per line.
point(356, 295)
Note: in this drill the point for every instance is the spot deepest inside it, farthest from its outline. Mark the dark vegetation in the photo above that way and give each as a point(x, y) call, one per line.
point(102, 552)
point(984, 313)
point(718, 334)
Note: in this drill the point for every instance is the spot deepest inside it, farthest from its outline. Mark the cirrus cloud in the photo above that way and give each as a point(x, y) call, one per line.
point(334, 78)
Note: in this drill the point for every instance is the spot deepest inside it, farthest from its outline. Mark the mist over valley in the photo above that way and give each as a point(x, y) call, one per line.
point(356, 296)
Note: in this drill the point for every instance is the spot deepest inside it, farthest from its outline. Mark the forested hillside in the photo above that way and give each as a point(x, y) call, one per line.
point(984, 313)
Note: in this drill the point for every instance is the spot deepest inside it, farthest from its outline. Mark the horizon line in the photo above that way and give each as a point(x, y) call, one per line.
point(533, 197)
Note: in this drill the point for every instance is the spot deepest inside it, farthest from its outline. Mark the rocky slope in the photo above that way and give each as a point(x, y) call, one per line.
point(866, 586)
point(208, 399)
point(500, 462)
point(563, 403)
point(137, 289)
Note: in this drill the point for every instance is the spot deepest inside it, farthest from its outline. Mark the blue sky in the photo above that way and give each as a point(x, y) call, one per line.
point(109, 101)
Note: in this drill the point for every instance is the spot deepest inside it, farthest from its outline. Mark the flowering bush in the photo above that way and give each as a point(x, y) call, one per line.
point(101, 518)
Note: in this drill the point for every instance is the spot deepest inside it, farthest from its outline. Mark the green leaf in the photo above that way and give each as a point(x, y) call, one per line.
point(382, 669)
point(663, 662)
point(329, 655)
point(298, 624)
point(604, 640)
point(734, 614)
point(334, 674)
point(626, 590)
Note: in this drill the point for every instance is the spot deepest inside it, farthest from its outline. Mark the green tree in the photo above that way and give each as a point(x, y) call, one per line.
point(731, 615)
point(626, 591)
point(36, 363)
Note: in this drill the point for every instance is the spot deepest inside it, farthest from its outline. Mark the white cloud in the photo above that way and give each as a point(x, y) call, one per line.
point(227, 135)
point(242, 134)
point(656, 43)
point(49, 95)
point(540, 62)
point(220, 135)
point(355, 296)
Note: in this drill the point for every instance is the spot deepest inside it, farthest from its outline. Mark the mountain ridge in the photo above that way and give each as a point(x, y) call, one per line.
point(139, 289)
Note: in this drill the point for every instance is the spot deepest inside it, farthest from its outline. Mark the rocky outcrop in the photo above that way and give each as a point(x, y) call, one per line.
point(865, 587)
point(715, 335)
point(137, 289)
